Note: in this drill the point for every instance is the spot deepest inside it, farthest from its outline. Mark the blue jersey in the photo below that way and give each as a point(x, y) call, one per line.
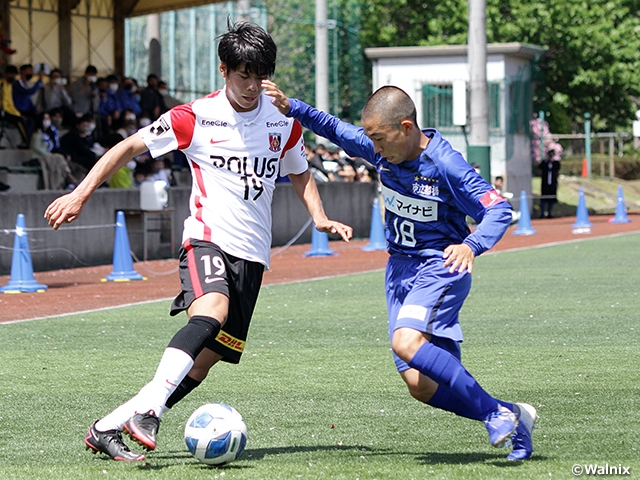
point(426, 199)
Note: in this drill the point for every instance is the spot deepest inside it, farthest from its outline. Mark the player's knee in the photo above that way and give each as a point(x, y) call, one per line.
point(406, 342)
point(195, 335)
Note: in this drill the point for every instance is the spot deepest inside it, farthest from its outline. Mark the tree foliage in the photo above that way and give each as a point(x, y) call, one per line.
point(593, 48)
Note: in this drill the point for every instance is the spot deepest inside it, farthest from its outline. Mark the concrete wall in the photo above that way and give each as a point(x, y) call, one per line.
point(90, 240)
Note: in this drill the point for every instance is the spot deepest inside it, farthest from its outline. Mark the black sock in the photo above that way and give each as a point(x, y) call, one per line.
point(186, 385)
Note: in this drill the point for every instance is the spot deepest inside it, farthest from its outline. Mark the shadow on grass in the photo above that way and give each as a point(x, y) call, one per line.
point(496, 459)
point(255, 454)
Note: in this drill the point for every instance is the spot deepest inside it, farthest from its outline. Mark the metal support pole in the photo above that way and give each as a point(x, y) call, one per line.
point(587, 141)
point(612, 165)
point(541, 117)
point(322, 57)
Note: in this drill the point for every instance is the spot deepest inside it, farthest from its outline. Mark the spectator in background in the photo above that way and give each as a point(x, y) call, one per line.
point(151, 102)
point(54, 94)
point(123, 177)
point(57, 120)
point(144, 120)
point(549, 172)
point(128, 128)
point(129, 97)
point(109, 107)
point(23, 89)
point(78, 144)
point(84, 92)
point(169, 101)
point(8, 110)
point(47, 151)
point(316, 164)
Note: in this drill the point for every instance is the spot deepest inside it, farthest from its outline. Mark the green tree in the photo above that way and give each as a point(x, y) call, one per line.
point(593, 48)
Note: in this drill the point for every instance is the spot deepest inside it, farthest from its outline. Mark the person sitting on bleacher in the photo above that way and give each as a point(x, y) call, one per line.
point(47, 152)
point(8, 111)
point(23, 89)
point(78, 144)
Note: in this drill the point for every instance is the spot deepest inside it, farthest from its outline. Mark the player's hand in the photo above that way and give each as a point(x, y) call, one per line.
point(459, 258)
point(280, 100)
point(63, 209)
point(331, 226)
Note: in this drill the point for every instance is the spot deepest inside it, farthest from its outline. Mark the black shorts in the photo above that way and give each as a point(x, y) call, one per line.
point(205, 268)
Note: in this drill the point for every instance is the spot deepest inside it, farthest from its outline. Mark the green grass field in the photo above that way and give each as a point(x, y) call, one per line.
point(557, 327)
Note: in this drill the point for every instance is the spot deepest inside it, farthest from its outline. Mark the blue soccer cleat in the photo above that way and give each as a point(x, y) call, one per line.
point(501, 424)
point(521, 439)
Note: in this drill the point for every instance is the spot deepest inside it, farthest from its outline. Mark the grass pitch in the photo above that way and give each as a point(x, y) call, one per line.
point(556, 327)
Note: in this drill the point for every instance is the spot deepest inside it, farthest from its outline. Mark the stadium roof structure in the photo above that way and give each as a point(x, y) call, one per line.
point(73, 33)
point(145, 7)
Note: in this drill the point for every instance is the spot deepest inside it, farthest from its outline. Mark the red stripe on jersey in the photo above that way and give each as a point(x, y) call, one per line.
point(491, 198)
point(213, 94)
point(296, 133)
point(193, 270)
point(183, 121)
point(200, 182)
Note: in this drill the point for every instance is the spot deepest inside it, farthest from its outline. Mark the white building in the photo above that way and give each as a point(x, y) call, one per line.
point(437, 79)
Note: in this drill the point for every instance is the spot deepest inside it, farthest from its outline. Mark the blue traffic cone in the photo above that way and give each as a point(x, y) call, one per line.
point(621, 209)
point(582, 225)
point(22, 279)
point(376, 232)
point(122, 264)
point(319, 245)
point(524, 222)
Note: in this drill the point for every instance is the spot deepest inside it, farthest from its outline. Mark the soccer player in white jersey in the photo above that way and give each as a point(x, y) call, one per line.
point(236, 143)
point(429, 189)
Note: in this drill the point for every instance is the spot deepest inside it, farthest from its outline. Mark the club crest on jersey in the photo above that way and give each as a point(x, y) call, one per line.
point(159, 127)
point(275, 141)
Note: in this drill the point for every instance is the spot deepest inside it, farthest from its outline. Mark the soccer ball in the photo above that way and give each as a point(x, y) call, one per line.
point(215, 434)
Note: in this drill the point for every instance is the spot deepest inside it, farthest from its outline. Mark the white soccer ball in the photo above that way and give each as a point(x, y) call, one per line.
point(215, 434)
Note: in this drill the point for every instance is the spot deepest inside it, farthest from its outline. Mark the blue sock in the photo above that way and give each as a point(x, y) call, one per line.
point(444, 399)
point(445, 369)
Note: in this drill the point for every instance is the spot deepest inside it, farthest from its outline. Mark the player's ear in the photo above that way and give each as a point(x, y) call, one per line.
point(223, 70)
point(406, 126)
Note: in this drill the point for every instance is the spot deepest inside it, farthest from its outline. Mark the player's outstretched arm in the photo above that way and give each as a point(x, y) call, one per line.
point(67, 208)
point(307, 190)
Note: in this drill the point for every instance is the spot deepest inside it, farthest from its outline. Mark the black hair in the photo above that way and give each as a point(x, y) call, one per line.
point(249, 44)
point(11, 69)
point(25, 66)
point(90, 70)
point(392, 105)
point(112, 78)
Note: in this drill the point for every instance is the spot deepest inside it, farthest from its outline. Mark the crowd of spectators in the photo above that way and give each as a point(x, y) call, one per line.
point(332, 164)
point(69, 124)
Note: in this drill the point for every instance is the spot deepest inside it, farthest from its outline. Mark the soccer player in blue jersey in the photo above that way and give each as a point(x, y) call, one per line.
point(428, 190)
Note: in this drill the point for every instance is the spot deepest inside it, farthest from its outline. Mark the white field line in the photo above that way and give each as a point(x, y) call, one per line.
point(543, 245)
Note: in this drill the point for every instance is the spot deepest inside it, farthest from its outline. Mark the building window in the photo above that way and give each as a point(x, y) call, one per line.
point(437, 106)
point(494, 105)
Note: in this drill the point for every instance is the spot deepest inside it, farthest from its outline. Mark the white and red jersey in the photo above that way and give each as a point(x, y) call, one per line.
point(234, 164)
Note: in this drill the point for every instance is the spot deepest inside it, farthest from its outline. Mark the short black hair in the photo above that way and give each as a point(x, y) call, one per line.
point(250, 44)
point(90, 70)
point(11, 69)
point(391, 105)
point(25, 66)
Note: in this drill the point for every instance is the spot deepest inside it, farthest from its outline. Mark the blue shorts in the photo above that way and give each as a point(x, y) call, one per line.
point(423, 295)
